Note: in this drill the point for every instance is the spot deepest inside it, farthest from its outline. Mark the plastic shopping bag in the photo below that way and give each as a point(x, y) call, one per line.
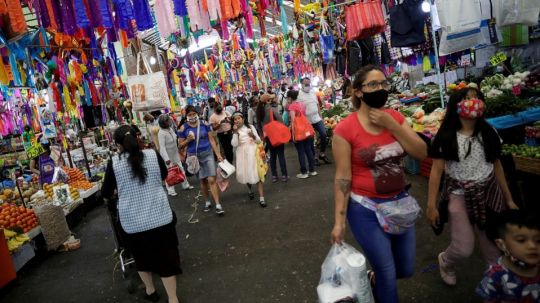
point(344, 276)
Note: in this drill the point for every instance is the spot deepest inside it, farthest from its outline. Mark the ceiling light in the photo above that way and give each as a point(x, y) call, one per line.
point(153, 60)
point(426, 7)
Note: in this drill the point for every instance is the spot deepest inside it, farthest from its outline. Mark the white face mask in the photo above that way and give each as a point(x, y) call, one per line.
point(193, 119)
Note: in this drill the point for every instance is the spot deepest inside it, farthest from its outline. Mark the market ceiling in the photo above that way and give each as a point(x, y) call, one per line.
point(152, 37)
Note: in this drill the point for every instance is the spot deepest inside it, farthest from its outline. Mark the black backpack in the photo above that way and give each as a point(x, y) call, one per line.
point(407, 22)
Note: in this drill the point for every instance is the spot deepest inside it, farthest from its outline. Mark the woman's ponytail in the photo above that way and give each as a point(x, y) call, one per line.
point(124, 136)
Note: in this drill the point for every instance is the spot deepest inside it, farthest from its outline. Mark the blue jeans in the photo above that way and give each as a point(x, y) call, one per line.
point(304, 149)
point(275, 152)
point(319, 127)
point(391, 256)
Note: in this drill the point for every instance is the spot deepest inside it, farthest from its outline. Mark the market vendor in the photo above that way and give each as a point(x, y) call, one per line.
point(44, 165)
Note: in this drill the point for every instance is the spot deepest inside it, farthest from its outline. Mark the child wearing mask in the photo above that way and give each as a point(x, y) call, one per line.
point(467, 149)
point(516, 275)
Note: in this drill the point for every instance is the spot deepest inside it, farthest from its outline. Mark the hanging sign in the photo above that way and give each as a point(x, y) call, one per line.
point(497, 59)
point(35, 150)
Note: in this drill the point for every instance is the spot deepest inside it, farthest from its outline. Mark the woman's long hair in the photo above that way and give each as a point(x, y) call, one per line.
point(445, 142)
point(124, 136)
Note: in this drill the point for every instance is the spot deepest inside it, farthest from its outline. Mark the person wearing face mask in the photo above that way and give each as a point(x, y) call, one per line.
point(368, 148)
point(245, 139)
point(516, 275)
point(196, 136)
point(168, 149)
point(313, 112)
point(467, 150)
point(267, 104)
point(221, 124)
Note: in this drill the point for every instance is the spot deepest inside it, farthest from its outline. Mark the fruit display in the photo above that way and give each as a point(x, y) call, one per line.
point(12, 195)
point(73, 190)
point(77, 179)
point(14, 240)
point(12, 216)
point(82, 184)
point(331, 123)
point(521, 150)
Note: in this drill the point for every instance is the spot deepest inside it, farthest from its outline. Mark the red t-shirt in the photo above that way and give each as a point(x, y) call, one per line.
point(376, 160)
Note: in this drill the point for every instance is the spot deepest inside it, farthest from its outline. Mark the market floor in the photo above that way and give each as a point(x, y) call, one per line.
point(250, 255)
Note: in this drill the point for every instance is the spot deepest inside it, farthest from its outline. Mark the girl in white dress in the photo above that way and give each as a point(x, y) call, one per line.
point(245, 140)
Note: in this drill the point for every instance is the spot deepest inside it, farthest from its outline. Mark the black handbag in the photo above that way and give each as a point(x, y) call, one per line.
point(407, 22)
point(442, 208)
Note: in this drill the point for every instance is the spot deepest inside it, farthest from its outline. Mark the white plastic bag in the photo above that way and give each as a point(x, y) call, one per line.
point(510, 12)
point(457, 16)
point(344, 276)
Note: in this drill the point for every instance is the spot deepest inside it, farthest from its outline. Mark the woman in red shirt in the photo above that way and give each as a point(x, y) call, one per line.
point(368, 147)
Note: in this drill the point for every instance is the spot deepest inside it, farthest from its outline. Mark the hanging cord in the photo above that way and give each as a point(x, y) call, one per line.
point(195, 206)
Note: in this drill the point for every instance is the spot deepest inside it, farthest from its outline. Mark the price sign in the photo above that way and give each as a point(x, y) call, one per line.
point(466, 60)
point(497, 59)
point(35, 150)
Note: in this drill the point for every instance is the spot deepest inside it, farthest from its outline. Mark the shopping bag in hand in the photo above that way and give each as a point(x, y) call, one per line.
point(344, 276)
point(174, 176)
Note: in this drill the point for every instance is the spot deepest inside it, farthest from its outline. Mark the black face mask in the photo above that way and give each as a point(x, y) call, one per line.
point(376, 99)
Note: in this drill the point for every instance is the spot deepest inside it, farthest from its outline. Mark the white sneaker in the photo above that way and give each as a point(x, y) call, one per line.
point(173, 194)
point(302, 176)
point(188, 187)
point(313, 173)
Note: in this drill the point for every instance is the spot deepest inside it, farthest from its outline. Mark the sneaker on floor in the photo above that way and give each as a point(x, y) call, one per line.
point(189, 187)
point(275, 179)
point(173, 194)
point(207, 206)
point(154, 297)
point(262, 204)
point(251, 196)
point(284, 178)
point(302, 176)
point(313, 173)
point(219, 210)
point(448, 275)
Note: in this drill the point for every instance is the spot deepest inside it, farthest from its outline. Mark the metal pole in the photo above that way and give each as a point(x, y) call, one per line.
point(437, 58)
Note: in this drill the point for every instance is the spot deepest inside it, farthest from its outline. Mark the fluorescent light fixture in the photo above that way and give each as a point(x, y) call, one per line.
point(153, 60)
point(328, 83)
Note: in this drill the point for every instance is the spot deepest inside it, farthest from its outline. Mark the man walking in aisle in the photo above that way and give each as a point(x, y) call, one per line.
point(313, 113)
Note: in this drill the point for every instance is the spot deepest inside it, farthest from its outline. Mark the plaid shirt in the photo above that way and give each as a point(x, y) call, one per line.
point(145, 206)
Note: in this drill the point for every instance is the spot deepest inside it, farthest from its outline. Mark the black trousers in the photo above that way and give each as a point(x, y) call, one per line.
point(225, 142)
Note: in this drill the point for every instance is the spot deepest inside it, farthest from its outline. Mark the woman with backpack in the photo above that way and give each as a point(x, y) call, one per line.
point(302, 141)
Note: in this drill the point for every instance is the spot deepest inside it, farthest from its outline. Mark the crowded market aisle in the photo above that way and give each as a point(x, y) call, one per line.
point(252, 254)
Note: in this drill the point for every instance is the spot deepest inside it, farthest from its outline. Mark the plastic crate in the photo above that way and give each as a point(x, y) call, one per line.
point(412, 166)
